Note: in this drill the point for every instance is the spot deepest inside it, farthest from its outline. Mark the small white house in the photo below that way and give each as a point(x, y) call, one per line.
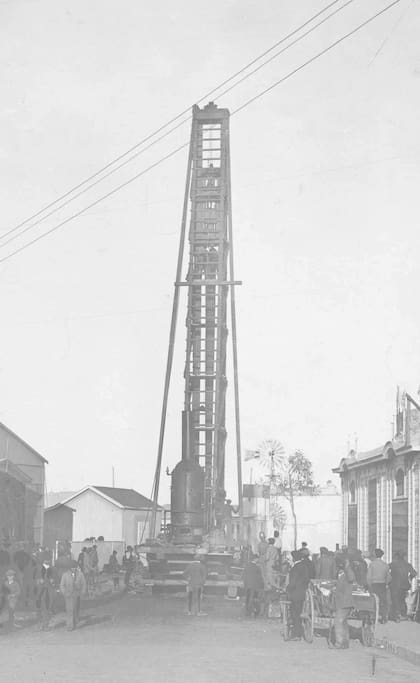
point(122, 515)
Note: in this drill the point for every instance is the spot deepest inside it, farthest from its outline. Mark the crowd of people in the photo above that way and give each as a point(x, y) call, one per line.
point(24, 582)
point(30, 582)
point(272, 570)
point(80, 578)
point(88, 563)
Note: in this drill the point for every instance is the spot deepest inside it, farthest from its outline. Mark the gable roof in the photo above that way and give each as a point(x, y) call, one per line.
point(128, 498)
point(15, 436)
point(123, 498)
point(57, 506)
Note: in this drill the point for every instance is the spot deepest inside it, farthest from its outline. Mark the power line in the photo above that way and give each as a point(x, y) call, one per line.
point(90, 206)
point(313, 59)
point(236, 111)
point(393, 29)
point(168, 123)
point(277, 54)
point(84, 190)
point(161, 137)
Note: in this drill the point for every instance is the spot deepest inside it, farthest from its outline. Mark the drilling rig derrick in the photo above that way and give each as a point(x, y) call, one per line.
point(198, 497)
point(198, 486)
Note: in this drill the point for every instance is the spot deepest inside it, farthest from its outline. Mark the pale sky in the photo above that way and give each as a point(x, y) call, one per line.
point(325, 176)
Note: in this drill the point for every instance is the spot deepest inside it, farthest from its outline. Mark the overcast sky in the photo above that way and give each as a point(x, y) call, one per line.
point(325, 176)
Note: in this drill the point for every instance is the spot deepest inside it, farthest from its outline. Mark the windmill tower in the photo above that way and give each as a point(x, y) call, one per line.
point(271, 455)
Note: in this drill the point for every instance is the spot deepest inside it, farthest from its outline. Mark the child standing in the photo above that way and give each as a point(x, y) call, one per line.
point(13, 593)
point(114, 568)
point(195, 575)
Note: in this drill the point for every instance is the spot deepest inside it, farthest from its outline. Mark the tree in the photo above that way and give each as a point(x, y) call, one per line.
point(297, 479)
point(288, 475)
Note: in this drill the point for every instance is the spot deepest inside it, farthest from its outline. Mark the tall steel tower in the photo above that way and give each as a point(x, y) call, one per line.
point(198, 481)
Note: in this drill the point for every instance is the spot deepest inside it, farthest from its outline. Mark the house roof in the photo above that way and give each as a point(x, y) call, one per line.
point(124, 498)
point(15, 436)
point(128, 498)
point(58, 505)
point(386, 452)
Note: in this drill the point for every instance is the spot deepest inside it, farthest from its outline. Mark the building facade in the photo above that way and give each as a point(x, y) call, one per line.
point(117, 514)
point(380, 491)
point(22, 484)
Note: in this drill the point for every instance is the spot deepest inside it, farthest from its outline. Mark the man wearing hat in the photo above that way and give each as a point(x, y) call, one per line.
point(45, 594)
point(378, 578)
point(325, 568)
point(253, 587)
point(72, 587)
point(296, 589)
point(13, 592)
point(195, 575)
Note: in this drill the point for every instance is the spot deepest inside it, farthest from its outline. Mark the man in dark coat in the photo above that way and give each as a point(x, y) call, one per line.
point(195, 576)
point(325, 568)
point(129, 565)
point(299, 578)
point(402, 573)
point(359, 567)
point(45, 595)
point(306, 556)
point(253, 587)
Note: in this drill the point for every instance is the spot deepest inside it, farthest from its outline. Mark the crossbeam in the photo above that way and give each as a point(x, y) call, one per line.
point(202, 283)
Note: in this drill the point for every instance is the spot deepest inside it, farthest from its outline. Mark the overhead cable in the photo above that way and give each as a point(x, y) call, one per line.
point(97, 201)
point(236, 111)
point(161, 137)
point(168, 123)
point(315, 57)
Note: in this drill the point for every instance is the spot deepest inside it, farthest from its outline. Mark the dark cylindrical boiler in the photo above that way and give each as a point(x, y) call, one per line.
point(187, 495)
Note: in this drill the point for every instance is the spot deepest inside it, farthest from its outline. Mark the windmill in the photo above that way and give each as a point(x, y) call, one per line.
point(272, 461)
point(271, 458)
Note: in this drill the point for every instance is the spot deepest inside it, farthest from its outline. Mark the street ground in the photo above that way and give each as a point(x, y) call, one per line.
point(144, 638)
point(402, 639)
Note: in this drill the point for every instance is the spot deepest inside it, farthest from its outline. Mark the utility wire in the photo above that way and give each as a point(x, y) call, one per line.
point(315, 57)
point(175, 118)
point(277, 54)
point(84, 190)
point(161, 137)
point(100, 199)
point(393, 29)
point(243, 106)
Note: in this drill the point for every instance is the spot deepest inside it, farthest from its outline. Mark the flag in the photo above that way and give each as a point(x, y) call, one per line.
point(252, 455)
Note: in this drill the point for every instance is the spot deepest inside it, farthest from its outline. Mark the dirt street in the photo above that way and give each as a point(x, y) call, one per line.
point(151, 639)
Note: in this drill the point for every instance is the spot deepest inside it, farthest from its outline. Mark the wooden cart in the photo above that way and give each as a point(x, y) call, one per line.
point(318, 613)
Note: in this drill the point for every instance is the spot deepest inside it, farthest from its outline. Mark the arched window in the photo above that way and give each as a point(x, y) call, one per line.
point(352, 492)
point(399, 483)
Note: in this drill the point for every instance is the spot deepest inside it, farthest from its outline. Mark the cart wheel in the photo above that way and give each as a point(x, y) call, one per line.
point(308, 617)
point(287, 627)
point(368, 636)
point(375, 623)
